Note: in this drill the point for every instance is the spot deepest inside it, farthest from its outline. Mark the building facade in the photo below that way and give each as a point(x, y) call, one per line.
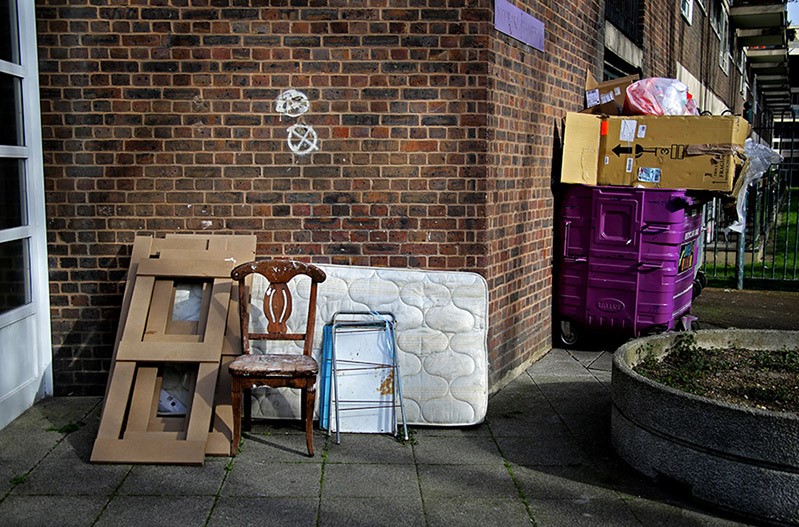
point(436, 142)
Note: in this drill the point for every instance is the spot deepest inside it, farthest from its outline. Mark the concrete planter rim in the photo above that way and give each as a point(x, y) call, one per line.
point(621, 362)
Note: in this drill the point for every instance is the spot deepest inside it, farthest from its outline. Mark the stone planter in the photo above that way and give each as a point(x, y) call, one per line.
point(739, 458)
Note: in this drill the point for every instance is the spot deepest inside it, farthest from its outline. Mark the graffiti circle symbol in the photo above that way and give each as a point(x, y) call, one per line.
point(302, 139)
point(292, 103)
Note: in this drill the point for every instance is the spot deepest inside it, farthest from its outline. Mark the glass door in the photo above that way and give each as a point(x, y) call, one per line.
point(25, 349)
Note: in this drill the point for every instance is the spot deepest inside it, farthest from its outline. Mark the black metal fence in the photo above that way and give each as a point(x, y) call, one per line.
point(767, 252)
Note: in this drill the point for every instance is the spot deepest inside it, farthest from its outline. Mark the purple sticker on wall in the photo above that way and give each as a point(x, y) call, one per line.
point(514, 22)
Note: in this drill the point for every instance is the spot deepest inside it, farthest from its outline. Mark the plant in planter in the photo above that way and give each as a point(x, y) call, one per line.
point(765, 379)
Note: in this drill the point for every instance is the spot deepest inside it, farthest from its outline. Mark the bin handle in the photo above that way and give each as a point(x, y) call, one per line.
point(566, 230)
point(656, 228)
point(649, 266)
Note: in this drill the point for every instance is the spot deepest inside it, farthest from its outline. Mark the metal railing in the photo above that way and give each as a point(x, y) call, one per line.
point(767, 254)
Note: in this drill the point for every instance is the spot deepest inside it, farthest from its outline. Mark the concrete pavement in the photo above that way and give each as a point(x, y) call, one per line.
point(542, 458)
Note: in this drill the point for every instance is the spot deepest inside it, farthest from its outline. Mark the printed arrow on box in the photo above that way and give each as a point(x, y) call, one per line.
point(674, 152)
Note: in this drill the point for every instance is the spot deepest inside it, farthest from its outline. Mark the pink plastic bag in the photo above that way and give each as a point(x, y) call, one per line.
point(659, 96)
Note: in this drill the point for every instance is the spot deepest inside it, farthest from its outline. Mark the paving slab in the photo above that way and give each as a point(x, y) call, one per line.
point(558, 363)
point(266, 479)
point(549, 447)
point(66, 475)
point(466, 481)
point(47, 511)
point(476, 450)
point(277, 444)
point(575, 395)
point(477, 512)
point(521, 423)
point(369, 448)
point(264, 512)
point(156, 511)
point(370, 481)
point(562, 482)
point(169, 480)
point(371, 512)
point(651, 512)
point(582, 512)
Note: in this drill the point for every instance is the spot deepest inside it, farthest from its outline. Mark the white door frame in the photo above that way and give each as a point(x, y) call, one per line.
point(27, 328)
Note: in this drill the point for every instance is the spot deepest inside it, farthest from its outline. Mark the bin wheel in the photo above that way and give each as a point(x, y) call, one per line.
point(569, 334)
point(701, 278)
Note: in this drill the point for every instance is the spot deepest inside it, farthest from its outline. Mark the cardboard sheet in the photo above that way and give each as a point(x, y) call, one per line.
point(131, 428)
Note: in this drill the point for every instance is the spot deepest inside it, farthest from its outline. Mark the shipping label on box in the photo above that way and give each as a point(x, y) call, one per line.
point(689, 152)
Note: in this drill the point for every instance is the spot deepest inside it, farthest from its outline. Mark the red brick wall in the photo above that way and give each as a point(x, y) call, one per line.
point(669, 39)
point(530, 92)
point(437, 138)
point(159, 117)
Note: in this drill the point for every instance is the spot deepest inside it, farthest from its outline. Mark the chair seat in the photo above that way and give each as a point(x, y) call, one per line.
point(280, 365)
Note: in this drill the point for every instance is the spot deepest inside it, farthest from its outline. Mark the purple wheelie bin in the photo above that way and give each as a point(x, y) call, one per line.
point(627, 261)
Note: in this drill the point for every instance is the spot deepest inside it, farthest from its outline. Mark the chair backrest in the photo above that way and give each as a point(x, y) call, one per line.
point(278, 303)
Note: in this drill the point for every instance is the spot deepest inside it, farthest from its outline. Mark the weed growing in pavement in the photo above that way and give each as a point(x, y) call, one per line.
point(67, 428)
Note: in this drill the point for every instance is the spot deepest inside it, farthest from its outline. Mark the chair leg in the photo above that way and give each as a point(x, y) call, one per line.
point(235, 400)
point(309, 398)
point(247, 394)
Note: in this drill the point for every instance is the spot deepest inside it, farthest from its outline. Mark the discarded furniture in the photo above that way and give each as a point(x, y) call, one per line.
point(361, 382)
point(275, 369)
point(134, 428)
point(442, 328)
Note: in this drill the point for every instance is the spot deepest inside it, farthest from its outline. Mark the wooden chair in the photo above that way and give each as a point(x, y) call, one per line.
point(273, 369)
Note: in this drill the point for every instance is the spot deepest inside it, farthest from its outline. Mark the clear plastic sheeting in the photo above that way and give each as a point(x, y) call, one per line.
point(176, 389)
point(759, 158)
point(188, 301)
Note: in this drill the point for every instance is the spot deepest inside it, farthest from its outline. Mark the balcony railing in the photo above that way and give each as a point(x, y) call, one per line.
point(626, 16)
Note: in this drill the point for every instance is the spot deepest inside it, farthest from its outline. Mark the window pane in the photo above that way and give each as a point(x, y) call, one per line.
point(9, 41)
point(10, 110)
point(14, 275)
point(13, 212)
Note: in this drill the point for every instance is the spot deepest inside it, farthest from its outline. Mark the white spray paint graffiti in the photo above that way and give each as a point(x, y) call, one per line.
point(302, 139)
point(292, 103)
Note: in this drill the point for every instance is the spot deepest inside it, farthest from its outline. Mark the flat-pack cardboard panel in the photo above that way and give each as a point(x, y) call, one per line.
point(149, 449)
point(143, 400)
point(178, 268)
point(222, 434)
point(581, 149)
point(151, 346)
point(116, 402)
point(153, 438)
point(202, 403)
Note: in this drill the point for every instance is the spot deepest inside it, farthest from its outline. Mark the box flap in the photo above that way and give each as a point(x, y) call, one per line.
point(606, 97)
point(581, 149)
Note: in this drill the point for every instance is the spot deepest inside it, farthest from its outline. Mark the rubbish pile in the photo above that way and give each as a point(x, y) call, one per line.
point(639, 163)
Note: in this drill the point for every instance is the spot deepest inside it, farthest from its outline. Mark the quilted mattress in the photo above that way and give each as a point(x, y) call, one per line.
point(442, 331)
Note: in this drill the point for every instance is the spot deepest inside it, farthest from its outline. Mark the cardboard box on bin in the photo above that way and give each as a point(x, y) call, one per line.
point(686, 152)
point(606, 97)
